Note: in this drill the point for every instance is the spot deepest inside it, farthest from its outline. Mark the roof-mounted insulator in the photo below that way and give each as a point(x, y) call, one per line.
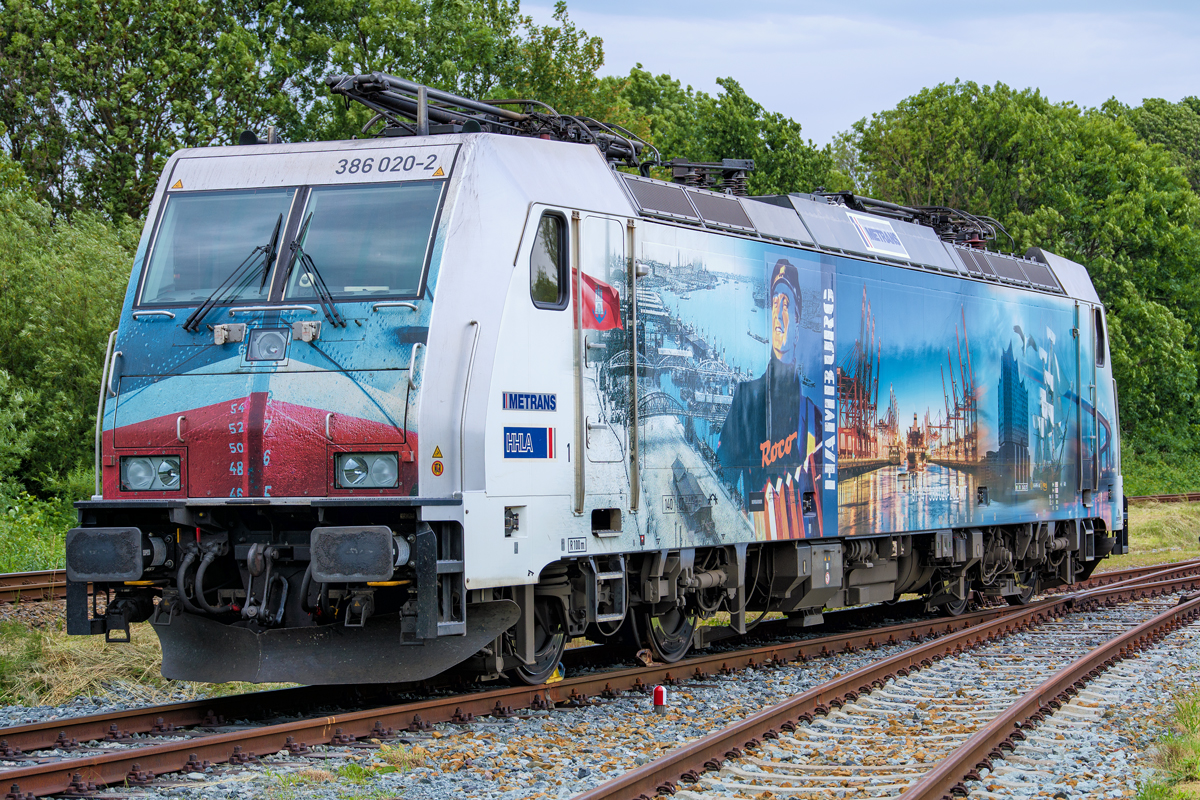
point(728, 176)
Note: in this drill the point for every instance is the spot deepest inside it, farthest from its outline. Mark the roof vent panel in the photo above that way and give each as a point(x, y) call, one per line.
point(720, 210)
point(661, 199)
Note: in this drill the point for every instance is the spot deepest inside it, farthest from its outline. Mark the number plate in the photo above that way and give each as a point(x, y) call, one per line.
point(350, 165)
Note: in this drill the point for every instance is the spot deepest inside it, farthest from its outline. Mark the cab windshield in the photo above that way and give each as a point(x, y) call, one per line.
point(204, 237)
point(367, 241)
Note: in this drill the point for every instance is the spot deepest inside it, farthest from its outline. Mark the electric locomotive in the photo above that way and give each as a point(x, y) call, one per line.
point(447, 396)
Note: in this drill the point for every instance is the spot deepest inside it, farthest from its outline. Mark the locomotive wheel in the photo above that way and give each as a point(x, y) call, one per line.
point(1028, 590)
point(550, 640)
point(668, 635)
point(955, 608)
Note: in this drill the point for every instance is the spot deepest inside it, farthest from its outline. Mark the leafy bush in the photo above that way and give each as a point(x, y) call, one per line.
point(32, 533)
point(61, 288)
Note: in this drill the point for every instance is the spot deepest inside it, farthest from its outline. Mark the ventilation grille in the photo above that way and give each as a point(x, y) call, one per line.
point(720, 210)
point(983, 264)
point(1006, 268)
point(1041, 276)
point(663, 199)
point(975, 264)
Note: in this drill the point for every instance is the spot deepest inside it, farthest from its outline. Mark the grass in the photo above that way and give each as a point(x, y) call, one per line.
point(356, 780)
point(1176, 757)
point(1159, 533)
point(44, 666)
point(1157, 472)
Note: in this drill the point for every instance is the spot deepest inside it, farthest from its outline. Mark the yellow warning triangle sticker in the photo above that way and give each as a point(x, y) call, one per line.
point(438, 173)
point(437, 452)
point(177, 185)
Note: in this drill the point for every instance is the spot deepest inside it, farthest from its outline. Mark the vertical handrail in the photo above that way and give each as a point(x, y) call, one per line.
point(635, 471)
point(1095, 436)
point(577, 292)
point(412, 366)
point(462, 420)
point(112, 337)
point(1079, 404)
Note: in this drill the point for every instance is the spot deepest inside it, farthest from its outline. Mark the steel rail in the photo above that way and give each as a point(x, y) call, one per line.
point(1186, 497)
point(51, 733)
point(120, 725)
point(134, 763)
point(1000, 734)
point(46, 585)
point(688, 761)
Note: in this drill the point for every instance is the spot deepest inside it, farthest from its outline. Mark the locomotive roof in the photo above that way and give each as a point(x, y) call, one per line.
point(812, 221)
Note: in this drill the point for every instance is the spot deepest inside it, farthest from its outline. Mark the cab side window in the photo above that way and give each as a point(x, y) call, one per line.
point(548, 280)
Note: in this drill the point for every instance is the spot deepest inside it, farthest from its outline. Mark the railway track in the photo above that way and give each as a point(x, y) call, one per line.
point(21, 586)
point(963, 701)
point(137, 744)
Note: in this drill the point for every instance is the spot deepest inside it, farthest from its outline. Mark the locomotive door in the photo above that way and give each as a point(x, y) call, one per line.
point(603, 386)
point(1085, 344)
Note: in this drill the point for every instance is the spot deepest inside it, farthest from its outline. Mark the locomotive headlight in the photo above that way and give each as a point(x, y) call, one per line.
point(149, 473)
point(352, 470)
point(267, 345)
point(137, 474)
point(384, 470)
point(368, 470)
point(168, 473)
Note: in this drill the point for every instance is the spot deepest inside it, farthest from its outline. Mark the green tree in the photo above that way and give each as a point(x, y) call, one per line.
point(1081, 183)
point(1176, 126)
point(685, 123)
point(462, 46)
point(61, 287)
point(99, 92)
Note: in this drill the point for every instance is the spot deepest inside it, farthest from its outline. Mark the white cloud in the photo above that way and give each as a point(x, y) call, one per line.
point(828, 70)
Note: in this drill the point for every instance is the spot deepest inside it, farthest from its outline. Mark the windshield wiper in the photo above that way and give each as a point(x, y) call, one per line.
point(239, 278)
point(324, 296)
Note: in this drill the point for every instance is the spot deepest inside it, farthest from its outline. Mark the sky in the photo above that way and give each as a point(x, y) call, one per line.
point(829, 64)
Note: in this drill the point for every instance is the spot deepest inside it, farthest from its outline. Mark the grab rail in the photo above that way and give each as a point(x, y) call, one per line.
point(112, 337)
point(112, 372)
point(462, 420)
point(412, 366)
point(248, 309)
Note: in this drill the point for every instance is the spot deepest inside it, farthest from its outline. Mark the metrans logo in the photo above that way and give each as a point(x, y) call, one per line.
point(529, 401)
point(877, 235)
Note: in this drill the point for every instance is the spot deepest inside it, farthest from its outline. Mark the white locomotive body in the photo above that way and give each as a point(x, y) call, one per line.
point(495, 394)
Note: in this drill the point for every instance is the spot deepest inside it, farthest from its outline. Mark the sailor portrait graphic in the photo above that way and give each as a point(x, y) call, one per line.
point(770, 441)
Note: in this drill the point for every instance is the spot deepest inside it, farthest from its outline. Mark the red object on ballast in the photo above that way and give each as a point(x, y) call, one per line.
point(660, 699)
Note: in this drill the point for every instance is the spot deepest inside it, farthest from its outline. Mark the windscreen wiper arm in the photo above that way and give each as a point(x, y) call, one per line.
point(239, 278)
point(324, 296)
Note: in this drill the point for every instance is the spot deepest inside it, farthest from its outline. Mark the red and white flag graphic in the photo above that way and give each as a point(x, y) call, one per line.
point(601, 308)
